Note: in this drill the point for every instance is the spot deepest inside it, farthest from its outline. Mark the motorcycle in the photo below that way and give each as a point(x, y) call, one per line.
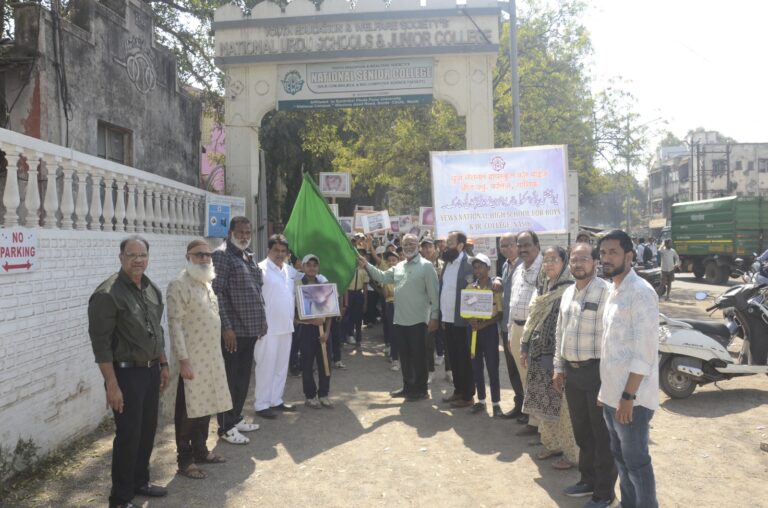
point(694, 353)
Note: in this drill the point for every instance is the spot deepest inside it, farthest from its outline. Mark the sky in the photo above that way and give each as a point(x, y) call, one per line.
point(692, 63)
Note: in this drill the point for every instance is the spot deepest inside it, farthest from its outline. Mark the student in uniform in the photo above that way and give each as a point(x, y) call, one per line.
point(390, 259)
point(310, 340)
point(356, 301)
point(487, 347)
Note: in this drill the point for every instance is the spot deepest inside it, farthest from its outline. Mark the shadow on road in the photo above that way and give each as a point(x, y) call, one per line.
point(716, 402)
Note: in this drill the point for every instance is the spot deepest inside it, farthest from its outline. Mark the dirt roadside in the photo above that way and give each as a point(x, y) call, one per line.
point(371, 450)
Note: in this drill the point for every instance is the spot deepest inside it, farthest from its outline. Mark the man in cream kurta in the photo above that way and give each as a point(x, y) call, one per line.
point(195, 328)
point(274, 349)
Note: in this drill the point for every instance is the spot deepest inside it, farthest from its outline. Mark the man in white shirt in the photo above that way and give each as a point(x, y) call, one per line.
point(640, 251)
point(629, 370)
point(521, 293)
point(669, 261)
point(273, 349)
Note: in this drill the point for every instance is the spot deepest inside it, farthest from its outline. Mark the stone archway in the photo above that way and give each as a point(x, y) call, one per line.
point(460, 44)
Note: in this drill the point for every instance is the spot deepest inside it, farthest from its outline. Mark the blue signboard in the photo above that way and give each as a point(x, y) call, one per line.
point(217, 220)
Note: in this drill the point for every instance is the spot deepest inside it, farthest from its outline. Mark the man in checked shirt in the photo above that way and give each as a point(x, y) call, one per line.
point(578, 339)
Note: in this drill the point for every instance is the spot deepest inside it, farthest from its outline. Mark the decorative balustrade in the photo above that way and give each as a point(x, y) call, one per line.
point(50, 186)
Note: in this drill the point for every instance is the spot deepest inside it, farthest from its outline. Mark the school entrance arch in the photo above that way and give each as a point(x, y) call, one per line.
point(345, 54)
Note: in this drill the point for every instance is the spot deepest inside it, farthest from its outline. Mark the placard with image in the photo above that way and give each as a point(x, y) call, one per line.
point(346, 224)
point(427, 216)
point(375, 222)
point(335, 185)
point(476, 303)
point(317, 301)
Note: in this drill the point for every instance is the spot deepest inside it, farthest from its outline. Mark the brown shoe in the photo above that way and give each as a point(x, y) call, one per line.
point(459, 402)
point(452, 398)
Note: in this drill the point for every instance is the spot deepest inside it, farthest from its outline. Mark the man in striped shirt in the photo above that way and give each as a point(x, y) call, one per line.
point(577, 357)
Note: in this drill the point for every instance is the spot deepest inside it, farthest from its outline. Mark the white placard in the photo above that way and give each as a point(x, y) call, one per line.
point(486, 246)
point(375, 222)
point(334, 185)
point(476, 303)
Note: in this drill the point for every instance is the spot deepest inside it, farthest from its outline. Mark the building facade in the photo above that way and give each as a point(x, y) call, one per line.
point(705, 169)
point(93, 79)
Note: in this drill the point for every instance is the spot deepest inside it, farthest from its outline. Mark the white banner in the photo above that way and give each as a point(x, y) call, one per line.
point(491, 192)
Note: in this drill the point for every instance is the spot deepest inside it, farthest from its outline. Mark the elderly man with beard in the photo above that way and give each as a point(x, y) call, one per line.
point(457, 275)
point(416, 303)
point(521, 292)
point(238, 286)
point(124, 316)
point(273, 350)
point(195, 330)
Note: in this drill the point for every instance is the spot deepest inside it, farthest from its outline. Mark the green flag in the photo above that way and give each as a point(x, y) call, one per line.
point(313, 229)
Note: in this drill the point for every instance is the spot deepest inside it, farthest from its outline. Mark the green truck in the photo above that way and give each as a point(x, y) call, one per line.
point(712, 234)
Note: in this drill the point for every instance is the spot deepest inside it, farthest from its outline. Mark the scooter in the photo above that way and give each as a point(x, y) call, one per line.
point(694, 353)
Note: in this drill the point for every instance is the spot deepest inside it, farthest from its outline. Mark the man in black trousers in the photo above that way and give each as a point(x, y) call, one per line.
point(124, 316)
point(457, 275)
point(238, 286)
point(577, 358)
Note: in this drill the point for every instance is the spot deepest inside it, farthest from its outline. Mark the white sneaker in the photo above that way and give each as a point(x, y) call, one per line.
point(439, 360)
point(449, 376)
point(313, 403)
point(242, 426)
point(233, 436)
point(351, 340)
point(386, 351)
point(395, 365)
point(326, 402)
point(430, 377)
point(339, 365)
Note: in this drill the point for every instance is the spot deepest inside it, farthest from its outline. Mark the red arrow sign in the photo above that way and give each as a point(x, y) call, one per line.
point(25, 266)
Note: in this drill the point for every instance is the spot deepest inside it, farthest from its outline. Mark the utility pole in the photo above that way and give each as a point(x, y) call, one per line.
point(514, 75)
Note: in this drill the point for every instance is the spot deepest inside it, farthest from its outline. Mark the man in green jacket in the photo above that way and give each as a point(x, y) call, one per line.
point(124, 324)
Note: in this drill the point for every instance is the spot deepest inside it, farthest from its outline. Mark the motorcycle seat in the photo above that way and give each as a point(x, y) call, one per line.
point(717, 331)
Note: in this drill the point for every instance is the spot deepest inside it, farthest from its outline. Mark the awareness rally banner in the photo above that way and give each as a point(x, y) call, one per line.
point(485, 193)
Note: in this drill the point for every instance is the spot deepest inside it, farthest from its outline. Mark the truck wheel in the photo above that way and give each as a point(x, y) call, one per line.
point(674, 383)
point(723, 274)
point(711, 273)
point(698, 269)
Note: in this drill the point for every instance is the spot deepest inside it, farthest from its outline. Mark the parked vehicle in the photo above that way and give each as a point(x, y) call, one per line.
point(710, 235)
point(694, 352)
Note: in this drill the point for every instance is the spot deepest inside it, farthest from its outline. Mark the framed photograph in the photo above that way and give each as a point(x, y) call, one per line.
point(357, 225)
point(486, 246)
point(394, 224)
point(427, 216)
point(365, 208)
point(317, 301)
point(335, 185)
point(335, 209)
point(375, 222)
point(476, 303)
point(346, 224)
point(407, 222)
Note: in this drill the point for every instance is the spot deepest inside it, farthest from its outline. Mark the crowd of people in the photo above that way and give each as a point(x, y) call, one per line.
point(580, 350)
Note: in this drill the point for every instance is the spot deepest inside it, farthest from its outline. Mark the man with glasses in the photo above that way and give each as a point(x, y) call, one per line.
point(238, 285)
point(124, 316)
point(578, 340)
point(416, 312)
point(508, 248)
point(521, 292)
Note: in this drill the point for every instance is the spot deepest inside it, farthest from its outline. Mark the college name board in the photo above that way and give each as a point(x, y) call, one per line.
point(352, 84)
point(298, 38)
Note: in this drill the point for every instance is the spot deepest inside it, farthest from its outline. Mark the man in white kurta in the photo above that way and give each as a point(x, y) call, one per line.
point(195, 328)
point(274, 349)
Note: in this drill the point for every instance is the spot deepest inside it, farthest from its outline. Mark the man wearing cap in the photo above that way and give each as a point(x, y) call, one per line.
point(416, 312)
point(124, 316)
point(272, 351)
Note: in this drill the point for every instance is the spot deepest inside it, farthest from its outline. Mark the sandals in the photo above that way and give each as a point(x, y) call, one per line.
point(547, 454)
point(211, 458)
point(562, 464)
point(234, 437)
point(193, 472)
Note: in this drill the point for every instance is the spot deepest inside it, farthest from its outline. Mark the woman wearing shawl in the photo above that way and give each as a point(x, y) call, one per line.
point(537, 350)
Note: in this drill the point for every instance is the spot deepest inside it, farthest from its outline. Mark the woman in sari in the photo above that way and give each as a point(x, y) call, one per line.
point(537, 350)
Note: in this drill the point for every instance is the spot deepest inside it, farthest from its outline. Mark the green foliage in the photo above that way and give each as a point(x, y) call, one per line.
point(13, 462)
